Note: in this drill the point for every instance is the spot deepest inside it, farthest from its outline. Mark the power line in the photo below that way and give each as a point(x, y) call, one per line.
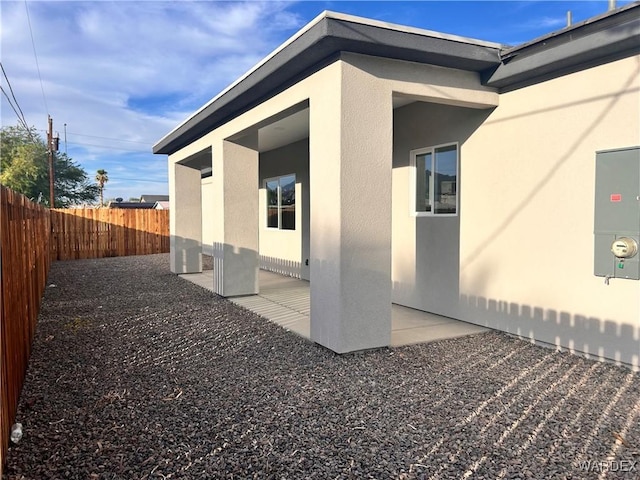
point(24, 120)
point(20, 120)
point(44, 98)
point(106, 138)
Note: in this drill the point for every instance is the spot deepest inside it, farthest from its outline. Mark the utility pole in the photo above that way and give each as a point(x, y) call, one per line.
point(50, 154)
point(53, 144)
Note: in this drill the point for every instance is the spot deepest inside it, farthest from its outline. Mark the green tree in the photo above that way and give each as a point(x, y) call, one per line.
point(101, 178)
point(24, 167)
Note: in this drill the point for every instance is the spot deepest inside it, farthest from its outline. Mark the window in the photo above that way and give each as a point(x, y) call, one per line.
point(435, 182)
point(281, 202)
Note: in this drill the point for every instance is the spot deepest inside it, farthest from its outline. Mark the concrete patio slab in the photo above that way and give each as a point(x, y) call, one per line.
point(285, 301)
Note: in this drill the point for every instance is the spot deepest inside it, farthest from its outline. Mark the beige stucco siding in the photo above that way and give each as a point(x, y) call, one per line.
point(185, 230)
point(223, 229)
point(418, 81)
point(207, 224)
point(518, 257)
point(350, 157)
point(426, 249)
point(428, 83)
point(526, 248)
point(286, 251)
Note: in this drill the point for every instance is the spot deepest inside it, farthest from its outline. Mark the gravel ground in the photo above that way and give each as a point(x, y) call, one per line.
point(139, 374)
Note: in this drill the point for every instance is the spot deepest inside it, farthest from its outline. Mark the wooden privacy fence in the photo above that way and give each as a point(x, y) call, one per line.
point(96, 233)
point(25, 260)
point(31, 236)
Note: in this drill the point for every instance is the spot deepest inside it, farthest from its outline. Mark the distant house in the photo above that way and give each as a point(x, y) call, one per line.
point(153, 198)
point(159, 202)
point(138, 205)
point(386, 164)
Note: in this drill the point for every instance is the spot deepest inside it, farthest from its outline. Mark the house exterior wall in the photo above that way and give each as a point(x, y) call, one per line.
point(351, 224)
point(527, 208)
point(185, 224)
point(426, 83)
point(358, 314)
point(235, 255)
point(350, 176)
point(207, 224)
point(426, 249)
point(519, 257)
point(286, 251)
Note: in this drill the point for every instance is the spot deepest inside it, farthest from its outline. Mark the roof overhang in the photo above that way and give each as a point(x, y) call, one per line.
point(317, 45)
point(602, 39)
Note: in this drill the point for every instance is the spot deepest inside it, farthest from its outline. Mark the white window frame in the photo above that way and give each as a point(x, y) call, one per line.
point(413, 178)
point(278, 178)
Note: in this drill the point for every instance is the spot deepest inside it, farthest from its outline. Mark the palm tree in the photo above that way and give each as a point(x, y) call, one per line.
point(101, 178)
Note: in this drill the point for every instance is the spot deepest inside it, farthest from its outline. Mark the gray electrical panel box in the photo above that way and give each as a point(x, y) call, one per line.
point(617, 213)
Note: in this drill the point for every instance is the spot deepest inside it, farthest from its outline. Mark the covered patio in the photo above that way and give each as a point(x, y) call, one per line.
point(285, 301)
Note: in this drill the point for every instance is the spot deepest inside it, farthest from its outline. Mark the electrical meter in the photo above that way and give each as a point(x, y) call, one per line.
point(616, 221)
point(624, 247)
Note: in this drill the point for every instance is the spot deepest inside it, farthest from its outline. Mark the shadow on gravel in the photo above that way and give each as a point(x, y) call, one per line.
point(137, 373)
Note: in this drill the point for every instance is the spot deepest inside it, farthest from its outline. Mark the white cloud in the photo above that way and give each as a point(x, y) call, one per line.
point(131, 70)
point(545, 23)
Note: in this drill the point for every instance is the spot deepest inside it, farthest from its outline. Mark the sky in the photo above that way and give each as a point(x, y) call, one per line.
point(117, 76)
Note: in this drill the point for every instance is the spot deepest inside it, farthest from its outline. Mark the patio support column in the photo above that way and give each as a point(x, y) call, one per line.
point(235, 247)
point(350, 186)
point(185, 219)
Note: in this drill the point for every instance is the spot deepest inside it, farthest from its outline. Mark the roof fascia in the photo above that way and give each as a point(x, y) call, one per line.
point(596, 41)
point(413, 30)
point(288, 42)
point(317, 45)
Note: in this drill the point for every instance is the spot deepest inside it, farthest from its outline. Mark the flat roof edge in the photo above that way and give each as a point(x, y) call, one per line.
point(545, 61)
point(162, 145)
point(414, 30)
point(282, 46)
point(598, 39)
point(506, 52)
